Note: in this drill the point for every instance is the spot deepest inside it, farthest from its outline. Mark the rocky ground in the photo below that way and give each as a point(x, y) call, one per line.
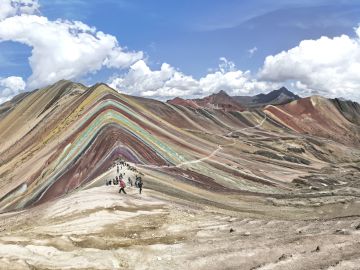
point(175, 225)
point(222, 190)
point(97, 228)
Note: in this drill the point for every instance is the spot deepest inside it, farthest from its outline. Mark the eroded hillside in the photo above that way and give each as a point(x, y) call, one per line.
point(205, 170)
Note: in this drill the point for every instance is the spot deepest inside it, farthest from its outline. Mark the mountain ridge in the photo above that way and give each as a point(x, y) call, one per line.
point(57, 139)
point(222, 100)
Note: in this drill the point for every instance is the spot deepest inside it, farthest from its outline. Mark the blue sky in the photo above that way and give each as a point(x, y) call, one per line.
point(192, 35)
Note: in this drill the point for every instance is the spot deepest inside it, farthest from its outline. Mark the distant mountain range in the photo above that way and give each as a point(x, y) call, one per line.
point(276, 97)
point(222, 100)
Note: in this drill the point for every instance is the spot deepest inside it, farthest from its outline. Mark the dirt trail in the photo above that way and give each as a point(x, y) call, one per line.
point(213, 153)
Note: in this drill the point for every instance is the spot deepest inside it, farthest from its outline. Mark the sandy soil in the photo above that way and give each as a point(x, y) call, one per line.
point(98, 228)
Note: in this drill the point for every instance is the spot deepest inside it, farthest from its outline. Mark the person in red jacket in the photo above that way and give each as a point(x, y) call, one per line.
point(122, 186)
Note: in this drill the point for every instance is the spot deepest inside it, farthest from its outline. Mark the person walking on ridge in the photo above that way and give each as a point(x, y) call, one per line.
point(122, 186)
point(140, 184)
point(130, 182)
point(136, 181)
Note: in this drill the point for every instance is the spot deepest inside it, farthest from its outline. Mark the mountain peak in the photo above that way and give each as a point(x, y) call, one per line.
point(275, 97)
point(220, 100)
point(284, 90)
point(221, 93)
point(281, 95)
point(66, 86)
point(182, 102)
point(176, 99)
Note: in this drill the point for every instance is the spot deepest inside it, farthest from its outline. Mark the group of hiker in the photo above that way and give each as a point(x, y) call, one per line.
point(122, 164)
point(118, 180)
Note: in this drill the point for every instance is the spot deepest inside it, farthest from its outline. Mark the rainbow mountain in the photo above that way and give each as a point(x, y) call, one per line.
point(58, 139)
point(274, 186)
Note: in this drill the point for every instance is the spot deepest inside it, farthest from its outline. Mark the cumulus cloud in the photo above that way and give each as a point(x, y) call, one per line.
point(166, 82)
point(10, 86)
point(326, 66)
point(64, 49)
point(169, 82)
point(233, 81)
point(252, 51)
point(9, 8)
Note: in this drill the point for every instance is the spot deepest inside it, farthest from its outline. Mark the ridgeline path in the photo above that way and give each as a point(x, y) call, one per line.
point(220, 147)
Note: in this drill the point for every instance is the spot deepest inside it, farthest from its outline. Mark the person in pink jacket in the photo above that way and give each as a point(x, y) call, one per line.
point(122, 186)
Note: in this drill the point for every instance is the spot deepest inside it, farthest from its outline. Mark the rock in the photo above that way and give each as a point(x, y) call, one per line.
point(284, 257)
point(317, 249)
point(247, 234)
point(357, 227)
point(159, 258)
point(295, 149)
point(232, 219)
point(232, 230)
point(342, 232)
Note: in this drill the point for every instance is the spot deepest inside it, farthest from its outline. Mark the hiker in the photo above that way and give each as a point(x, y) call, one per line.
point(140, 184)
point(117, 168)
point(106, 182)
point(130, 181)
point(122, 186)
point(116, 181)
point(136, 181)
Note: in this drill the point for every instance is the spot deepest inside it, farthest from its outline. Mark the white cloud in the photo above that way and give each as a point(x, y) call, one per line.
point(9, 8)
point(252, 51)
point(166, 82)
point(10, 86)
point(169, 82)
point(326, 66)
point(64, 49)
point(226, 65)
